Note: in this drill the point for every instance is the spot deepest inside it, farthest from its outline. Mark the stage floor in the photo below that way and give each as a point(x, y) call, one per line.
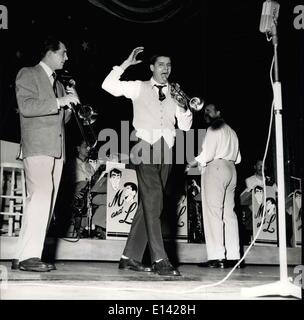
point(87, 280)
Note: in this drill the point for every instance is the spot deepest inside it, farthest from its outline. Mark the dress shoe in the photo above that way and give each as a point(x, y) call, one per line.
point(232, 263)
point(217, 263)
point(16, 265)
point(51, 266)
point(165, 268)
point(131, 264)
point(33, 264)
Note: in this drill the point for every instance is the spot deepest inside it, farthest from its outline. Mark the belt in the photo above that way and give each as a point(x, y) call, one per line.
point(220, 159)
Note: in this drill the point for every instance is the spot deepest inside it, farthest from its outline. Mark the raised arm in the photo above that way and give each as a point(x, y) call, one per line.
point(131, 60)
point(115, 86)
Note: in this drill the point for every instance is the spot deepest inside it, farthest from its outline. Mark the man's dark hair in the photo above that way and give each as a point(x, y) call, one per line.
point(117, 171)
point(132, 185)
point(51, 43)
point(155, 56)
point(217, 122)
point(272, 200)
point(217, 106)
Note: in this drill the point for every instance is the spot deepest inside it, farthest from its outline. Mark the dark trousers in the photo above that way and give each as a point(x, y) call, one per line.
point(146, 225)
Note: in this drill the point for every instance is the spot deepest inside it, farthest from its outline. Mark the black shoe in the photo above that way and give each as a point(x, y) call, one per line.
point(232, 263)
point(15, 264)
point(131, 264)
point(51, 266)
point(165, 268)
point(217, 263)
point(33, 264)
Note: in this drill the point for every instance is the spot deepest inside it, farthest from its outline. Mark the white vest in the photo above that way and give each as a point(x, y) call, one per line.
point(153, 116)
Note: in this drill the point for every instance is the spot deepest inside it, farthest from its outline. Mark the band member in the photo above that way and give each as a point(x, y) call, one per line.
point(42, 103)
point(257, 178)
point(155, 114)
point(220, 153)
point(89, 182)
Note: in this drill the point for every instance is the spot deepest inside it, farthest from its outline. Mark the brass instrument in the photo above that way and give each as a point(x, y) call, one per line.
point(194, 104)
point(85, 116)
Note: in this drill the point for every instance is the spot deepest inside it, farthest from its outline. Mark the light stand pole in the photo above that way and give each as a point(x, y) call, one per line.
point(283, 287)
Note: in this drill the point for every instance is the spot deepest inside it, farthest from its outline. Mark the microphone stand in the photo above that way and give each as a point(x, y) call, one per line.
point(89, 208)
point(283, 287)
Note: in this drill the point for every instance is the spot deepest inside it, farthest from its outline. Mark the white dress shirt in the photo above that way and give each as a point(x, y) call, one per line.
point(221, 143)
point(131, 90)
point(49, 73)
point(83, 170)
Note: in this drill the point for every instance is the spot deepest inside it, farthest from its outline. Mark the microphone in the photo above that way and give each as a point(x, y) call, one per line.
point(270, 14)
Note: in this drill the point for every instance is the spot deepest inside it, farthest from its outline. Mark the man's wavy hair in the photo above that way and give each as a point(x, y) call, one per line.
point(50, 43)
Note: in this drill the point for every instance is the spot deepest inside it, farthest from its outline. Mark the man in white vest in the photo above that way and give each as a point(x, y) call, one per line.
point(155, 114)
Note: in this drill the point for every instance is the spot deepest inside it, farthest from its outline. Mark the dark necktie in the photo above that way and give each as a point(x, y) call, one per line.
point(161, 95)
point(54, 83)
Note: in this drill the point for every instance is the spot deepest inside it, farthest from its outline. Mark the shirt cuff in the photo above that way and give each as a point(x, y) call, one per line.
point(186, 114)
point(199, 159)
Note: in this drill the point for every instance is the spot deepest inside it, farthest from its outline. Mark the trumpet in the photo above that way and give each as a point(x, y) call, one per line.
point(85, 116)
point(194, 104)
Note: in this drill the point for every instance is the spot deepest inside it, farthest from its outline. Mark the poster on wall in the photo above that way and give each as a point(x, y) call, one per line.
point(122, 202)
point(182, 219)
point(269, 224)
point(174, 218)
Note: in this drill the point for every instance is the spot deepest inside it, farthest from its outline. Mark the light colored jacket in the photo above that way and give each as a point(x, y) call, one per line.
point(42, 124)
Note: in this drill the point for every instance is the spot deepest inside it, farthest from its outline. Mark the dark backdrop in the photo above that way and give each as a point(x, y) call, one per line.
point(218, 53)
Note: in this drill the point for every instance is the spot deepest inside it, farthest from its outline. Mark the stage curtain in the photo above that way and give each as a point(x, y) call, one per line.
point(148, 11)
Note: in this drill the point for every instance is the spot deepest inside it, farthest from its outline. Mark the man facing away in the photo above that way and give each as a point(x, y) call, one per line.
point(220, 153)
point(155, 114)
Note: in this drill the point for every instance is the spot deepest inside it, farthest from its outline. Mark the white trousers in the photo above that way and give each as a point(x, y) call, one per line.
point(220, 221)
point(42, 174)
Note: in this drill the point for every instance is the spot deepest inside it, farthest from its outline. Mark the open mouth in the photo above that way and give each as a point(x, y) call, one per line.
point(164, 76)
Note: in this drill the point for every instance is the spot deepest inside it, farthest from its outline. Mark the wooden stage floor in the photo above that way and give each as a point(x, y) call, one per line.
point(89, 280)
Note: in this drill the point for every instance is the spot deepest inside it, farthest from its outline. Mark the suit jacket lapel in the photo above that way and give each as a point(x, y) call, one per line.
point(44, 80)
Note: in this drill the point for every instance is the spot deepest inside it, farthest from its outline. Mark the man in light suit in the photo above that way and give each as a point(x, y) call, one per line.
point(44, 108)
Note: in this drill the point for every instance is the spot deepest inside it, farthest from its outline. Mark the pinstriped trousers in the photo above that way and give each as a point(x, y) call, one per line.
point(146, 225)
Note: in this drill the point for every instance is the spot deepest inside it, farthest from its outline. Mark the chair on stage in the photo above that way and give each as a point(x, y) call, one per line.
point(12, 195)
